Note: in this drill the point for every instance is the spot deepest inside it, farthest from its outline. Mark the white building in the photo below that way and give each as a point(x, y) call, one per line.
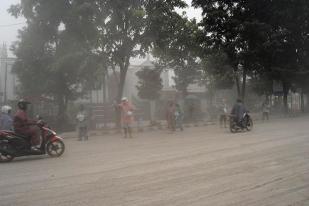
point(131, 82)
point(8, 80)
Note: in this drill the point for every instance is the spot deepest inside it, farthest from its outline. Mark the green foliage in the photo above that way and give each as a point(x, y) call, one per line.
point(66, 41)
point(186, 74)
point(149, 84)
point(178, 50)
point(217, 71)
point(265, 37)
point(127, 29)
point(53, 59)
point(261, 85)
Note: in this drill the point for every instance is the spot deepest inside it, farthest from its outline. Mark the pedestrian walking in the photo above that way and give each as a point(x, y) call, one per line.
point(127, 117)
point(82, 124)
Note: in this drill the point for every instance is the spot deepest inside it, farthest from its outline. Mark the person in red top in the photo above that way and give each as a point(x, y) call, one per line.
point(23, 125)
point(126, 116)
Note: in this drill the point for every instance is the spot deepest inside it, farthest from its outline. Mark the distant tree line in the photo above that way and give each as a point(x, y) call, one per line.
point(67, 45)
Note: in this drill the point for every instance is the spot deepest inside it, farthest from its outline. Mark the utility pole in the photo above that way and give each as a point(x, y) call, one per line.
point(104, 88)
point(4, 65)
point(105, 108)
point(5, 82)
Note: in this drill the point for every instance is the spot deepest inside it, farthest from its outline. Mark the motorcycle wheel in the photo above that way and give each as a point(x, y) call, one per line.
point(233, 128)
point(55, 149)
point(249, 124)
point(5, 157)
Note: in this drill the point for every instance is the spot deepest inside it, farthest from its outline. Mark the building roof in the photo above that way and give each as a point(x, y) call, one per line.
point(147, 63)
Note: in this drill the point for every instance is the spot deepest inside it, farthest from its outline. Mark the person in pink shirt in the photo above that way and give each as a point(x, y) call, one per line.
point(127, 118)
point(23, 125)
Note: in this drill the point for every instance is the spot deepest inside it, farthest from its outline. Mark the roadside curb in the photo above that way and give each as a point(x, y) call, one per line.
point(116, 131)
point(161, 127)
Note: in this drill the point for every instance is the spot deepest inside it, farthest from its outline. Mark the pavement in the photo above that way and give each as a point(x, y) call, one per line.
point(198, 167)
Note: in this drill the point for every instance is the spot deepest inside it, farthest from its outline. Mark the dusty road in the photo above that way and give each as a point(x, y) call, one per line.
point(201, 166)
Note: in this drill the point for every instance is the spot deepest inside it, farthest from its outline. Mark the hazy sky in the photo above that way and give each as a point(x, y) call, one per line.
point(9, 25)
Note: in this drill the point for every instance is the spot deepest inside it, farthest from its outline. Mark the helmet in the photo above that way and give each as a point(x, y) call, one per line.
point(6, 109)
point(22, 104)
point(124, 99)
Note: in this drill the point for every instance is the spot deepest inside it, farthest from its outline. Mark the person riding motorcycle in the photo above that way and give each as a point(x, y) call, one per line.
point(23, 125)
point(238, 112)
point(6, 121)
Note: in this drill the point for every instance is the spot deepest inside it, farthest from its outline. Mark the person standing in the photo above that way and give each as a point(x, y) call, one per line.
point(170, 116)
point(6, 121)
point(127, 117)
point(178, 117)
point(82, 124)
point(266, 110)
point(223, 115)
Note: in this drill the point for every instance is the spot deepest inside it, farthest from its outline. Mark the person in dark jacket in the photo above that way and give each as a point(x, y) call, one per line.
point(238, 111)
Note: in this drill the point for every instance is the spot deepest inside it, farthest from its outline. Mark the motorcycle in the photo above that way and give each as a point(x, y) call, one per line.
point(15, 145)
point(245, 124)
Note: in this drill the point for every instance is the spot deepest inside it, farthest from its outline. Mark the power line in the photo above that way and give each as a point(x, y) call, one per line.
point(10, 25)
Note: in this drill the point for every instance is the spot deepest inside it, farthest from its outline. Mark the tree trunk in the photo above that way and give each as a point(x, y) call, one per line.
point(185, 92)
point(62, 117)
point(152, 111)
point(123, 73)
point(237, 85)
point(302, 101)
point(244, 82)
point(285, 97)
point(104, 98)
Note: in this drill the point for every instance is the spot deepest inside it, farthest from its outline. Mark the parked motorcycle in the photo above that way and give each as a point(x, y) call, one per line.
point(15, 145)
point(245, 124)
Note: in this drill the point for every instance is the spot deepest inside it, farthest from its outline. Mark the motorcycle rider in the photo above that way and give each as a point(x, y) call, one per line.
point(238, 112)
point(24, 126)
point(6, 121)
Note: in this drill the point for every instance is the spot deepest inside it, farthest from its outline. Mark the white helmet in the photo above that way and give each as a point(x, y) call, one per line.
point(124, 99)
point(6, 109)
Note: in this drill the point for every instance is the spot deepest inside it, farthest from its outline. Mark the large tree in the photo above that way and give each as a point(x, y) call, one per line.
point(149, 87)
point(233, 28)
point(63, 40)
point(149, 84)
point(179, 50)
point(54, 57)
point(264, 37)
point(127, 29)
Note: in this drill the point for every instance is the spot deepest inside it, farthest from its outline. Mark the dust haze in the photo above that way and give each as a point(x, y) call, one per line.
point(145, 103)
